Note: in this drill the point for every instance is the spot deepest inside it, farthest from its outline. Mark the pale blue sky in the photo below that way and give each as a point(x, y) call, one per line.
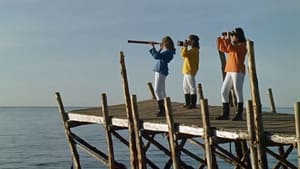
point(72, 46)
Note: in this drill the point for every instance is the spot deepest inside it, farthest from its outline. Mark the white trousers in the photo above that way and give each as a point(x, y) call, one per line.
point(189, 84)
point(160, 86)
point(235, 80)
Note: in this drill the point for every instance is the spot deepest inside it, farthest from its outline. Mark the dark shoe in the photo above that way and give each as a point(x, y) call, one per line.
point(160, 114)
point(239, 115)
point(225, 115)
point(187, 100)
point(161, 108)
point(191, 106)
point(222, 117)
point(193, 101)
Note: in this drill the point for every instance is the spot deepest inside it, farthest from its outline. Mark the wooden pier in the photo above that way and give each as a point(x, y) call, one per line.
point(255, 138)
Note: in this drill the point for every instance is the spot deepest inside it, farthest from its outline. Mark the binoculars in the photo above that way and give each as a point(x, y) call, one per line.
point(180, 43)
point(228, 33)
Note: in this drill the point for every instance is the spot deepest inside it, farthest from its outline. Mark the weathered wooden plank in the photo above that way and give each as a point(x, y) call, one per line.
point(74, 153)
point(151, 90)
point(272, 103)
point(138, 134)
point(260, 139)
point(107, 130)
point(297, 117)
point(131, 133)
point(208, 140)
point(279, 127)
point(251, 131)
point(172, 134)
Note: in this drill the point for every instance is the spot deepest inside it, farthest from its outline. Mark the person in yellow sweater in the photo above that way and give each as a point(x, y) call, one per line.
point(189, 69)
point(234, 44)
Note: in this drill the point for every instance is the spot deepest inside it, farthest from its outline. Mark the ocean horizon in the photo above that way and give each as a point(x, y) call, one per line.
point(32, 137)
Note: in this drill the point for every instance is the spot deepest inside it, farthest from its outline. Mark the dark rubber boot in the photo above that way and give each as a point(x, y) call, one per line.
point(161, 108)
point(239, 115)
point(193, 101)
point(225, 115)
point(187, 98)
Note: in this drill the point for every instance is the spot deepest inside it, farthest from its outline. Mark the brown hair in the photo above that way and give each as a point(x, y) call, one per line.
point(169, 44)
point(195, 40)
point(240, 34)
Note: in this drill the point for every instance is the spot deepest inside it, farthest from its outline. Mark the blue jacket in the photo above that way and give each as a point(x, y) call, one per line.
point(163, 58)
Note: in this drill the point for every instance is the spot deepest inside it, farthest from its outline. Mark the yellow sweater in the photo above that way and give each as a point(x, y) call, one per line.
point(190, 60)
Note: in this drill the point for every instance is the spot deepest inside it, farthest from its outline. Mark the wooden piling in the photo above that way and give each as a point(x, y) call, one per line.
point(200, 91)
point(251, 132)
point(273, 110)
point(272, 103)
point(131, 133)
point(239, 152)
point(207, 136)
point(172, 133)
point(232, 97)
point(262, 159)
point(223, 63)
point(151, 90)
point(107, 130)
point(138, 134)
point(71, 142)
point(297, 124)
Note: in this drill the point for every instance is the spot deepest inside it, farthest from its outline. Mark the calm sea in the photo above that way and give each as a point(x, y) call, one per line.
point(33, 138)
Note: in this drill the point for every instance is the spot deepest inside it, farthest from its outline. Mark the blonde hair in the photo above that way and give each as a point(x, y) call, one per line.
point(169, 44)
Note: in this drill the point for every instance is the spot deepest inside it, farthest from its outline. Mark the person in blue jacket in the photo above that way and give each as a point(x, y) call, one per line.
point(162, 56)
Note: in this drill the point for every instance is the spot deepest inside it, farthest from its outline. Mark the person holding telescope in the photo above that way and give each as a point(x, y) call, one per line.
point(189, 69)
point(162, 56)
point(234, 44)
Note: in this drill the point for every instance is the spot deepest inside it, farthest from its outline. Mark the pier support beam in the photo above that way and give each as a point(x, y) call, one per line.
point(297, 121)
point(209, 149)
point(200, 91)
point(151, 90)
point(232, 97)
point(251, 131)
point(71, 142)
point(261, 154)
point(172, 134)
point(107, 130)
point(131, 133)
point(138, 134)
point(272, 103)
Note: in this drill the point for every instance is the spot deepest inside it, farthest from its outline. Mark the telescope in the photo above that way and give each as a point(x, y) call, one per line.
point(142, 42)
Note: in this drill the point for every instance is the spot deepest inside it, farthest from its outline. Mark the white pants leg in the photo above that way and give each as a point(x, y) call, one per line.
point(189, 84)
point(235, 80)
point(159, 86)
point(238, 81)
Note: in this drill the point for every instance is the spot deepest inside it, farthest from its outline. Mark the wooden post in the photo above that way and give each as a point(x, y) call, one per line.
point(273, 110)
point(138, 134)
point(223, 63)
point(131, 135)
point(71, 142)
point(251, 132)
point(232, 98)
point(239, 151)
point(151, 90)
point(200, 91)
point(297, 121)
point(172, 134)
point(107, 130)
point(272, 103)
point(207, 136)
point(262, 158)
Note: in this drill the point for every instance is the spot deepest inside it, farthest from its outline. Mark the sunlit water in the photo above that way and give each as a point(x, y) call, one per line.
point(33, 138)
